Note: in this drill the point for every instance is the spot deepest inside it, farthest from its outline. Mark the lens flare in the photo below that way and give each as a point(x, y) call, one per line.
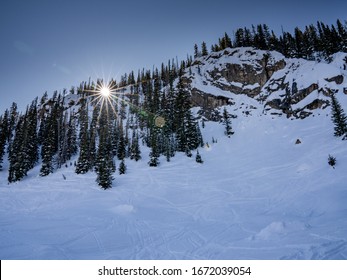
point(105, 92)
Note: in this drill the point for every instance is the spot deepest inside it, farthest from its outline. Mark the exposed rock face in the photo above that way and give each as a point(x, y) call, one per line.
point(206, 100)
point(294, 87)
point(245, 78)
point(337, 79)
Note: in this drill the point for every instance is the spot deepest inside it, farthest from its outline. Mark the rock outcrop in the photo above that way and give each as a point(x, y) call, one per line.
point(294, 87)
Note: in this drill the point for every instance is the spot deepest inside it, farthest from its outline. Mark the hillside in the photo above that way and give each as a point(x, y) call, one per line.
point(258, 194)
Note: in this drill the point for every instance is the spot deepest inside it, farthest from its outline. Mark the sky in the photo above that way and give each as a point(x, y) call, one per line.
point(51, 45)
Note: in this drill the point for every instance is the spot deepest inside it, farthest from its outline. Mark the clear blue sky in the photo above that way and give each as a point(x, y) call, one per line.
point(50, 45)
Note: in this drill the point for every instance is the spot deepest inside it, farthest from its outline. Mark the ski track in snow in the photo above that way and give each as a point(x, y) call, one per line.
point(257, 196)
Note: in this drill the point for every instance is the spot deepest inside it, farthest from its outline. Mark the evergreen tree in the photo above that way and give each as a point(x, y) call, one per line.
point(72, 147)
point(204, 49)
point(12, 120)
point(342, 30)
point(239, 38)
point(92, 136)
point(23, 153)
point(121, 147)
point(122, 168)
point(104, 165)
point(62, 140)
point(339, 118)
point(299, 43)
point(3, 137)
point(48, 149)
point(198, 158)
point(15, 154)
point(227, 122)
point(32, 142)
point(196, 51)
point(154, 154)
point(260, 39)
point(247, 38)
point(188, 134)
point(135, 147)
point(227, 41)
point(83, 163)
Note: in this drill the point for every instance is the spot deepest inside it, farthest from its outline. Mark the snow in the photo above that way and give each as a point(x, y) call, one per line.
point(256, 196)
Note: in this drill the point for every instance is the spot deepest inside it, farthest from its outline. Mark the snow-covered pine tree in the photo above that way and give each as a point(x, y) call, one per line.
point(227, 122)
point(15, 154)
point(48, 148)
point(3, 137)
point(92, 137)
point(83, 163)
point(72, 147)
point(122, 168)
point(121, 147)
point(32, 145)
point(182, 106)
point(135, 147)
point(154, 153)
point(104, 165)
point(12, 121)
point(62, 140)
point(198, 158)
point(339, 118)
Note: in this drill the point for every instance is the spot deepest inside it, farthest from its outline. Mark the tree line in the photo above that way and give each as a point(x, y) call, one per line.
point(312, 42)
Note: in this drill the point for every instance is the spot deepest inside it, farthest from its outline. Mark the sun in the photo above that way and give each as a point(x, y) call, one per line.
point(105, 91)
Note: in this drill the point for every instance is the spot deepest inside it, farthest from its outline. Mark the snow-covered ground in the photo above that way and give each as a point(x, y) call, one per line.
point(256, 196)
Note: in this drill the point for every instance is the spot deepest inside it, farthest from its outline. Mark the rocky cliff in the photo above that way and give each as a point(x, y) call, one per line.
point(279, 85)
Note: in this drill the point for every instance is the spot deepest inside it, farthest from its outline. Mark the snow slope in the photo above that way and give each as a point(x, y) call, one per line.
point(256, 196)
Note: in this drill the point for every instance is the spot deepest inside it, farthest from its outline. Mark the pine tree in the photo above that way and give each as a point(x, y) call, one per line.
point(92, 137)
point(121, 147)
point(62, 140)
point(135, 147)
point(198, 158)
point(204, 49)
point(182, 106)
point(227, 41)
point(72, 147)
point(227, 122)
point(342, 30)
point(332, 161)
point(48, 150)
point(83, 163)
point(188, 135)
point(3, 138)
point(13, 119)
point(104, 165)
point(196, 51)
point(122, 168)
point(339, 118)
point(23, 153)
point(239, 38)
point(154, 154)
point(15, 154)
point(299, 43)
point(32, 144)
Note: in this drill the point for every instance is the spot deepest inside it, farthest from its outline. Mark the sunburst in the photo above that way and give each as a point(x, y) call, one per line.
point(106, 95)
point(105, 92)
